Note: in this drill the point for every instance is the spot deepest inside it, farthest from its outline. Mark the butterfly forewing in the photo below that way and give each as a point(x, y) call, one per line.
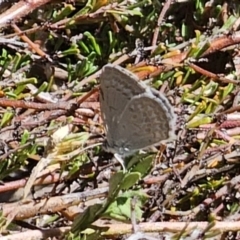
point(117, 86)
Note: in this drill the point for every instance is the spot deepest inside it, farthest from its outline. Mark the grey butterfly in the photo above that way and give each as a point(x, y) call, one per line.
point(135, 116)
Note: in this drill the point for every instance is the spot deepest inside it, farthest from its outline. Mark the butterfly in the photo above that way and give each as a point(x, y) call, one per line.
point(135, 115)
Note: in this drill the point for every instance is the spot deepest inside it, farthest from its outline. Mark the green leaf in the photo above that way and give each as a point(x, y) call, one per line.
point(83, 220)
point(144, 165)
point(25, 137)
point(120, 209)
point(129, 180)
point(7, 116)
point(115, 182)
point(198, 120)
point(93, 42)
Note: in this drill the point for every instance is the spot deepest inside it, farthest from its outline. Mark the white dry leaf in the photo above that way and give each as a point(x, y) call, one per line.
point(51, 152)
point(61, 133)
